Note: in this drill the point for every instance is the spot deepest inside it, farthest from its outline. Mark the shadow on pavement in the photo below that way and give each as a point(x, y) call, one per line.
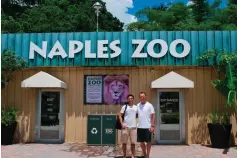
point(225, 151)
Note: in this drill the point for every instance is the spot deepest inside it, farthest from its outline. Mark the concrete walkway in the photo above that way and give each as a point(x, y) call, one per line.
point(78, 150)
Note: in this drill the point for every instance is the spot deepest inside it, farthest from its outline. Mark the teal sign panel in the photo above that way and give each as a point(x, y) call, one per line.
point(166, 48)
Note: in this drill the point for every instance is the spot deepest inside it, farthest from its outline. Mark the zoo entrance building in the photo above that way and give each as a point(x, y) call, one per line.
point(76, 76)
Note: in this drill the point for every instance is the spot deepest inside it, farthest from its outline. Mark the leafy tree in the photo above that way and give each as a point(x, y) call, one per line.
point(199, 15)
point(9, 24)
point(160, 19)
point(200, 10)
point(230, 14)
point(14, 8)
point(9, 64)
point(232, 2)
point(60, 16)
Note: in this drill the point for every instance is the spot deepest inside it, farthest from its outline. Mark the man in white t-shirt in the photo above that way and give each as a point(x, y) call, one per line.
point(146, 124)
point(128, 130)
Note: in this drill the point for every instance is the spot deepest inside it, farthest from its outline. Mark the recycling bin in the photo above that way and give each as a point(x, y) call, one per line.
point(94, 129)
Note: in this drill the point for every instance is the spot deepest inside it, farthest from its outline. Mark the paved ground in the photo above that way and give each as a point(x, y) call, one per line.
point(79, 150)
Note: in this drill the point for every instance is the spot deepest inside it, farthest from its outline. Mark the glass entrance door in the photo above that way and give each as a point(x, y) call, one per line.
point(169, 119)
point(49, 116)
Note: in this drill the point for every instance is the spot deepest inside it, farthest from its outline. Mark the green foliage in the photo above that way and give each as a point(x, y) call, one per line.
point(226, 64)
point(220, 117)
point(9, 64)
point(208, 57)
point(8, 116)
point(59, 16)
point(9, 24)
point(214, 116)
point(200, 10)
point(180, 17)
point(232, 2)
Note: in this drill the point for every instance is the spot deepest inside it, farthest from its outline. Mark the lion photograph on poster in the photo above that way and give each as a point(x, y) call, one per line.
point(115, 89)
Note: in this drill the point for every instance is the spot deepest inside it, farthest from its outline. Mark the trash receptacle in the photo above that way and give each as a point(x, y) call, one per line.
point(108, 129)
point(94, 129)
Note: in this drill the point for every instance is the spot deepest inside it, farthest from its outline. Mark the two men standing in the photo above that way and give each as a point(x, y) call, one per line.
point(145, 128)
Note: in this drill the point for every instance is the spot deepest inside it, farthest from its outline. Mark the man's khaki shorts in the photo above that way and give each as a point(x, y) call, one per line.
point(129, 133)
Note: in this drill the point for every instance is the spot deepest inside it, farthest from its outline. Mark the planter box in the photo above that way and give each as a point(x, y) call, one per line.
point(220, 135)
point(7, 134)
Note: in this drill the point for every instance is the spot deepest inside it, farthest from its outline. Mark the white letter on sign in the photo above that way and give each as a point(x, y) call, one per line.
point(57, 50)
point(164, 48)
point(73, 51)
point(137, 53)
point(116, 49)
point(88, 53)
point(34, 47)
point(101, 49)
point(185, 52)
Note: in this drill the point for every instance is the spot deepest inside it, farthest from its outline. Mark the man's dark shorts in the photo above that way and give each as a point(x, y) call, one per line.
point(143, 135)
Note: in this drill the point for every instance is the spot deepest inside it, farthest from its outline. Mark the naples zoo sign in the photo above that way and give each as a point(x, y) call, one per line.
point(103, 46)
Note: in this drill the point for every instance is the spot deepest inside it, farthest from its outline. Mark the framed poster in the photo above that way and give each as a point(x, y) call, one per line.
point(115, 89)
point(105, 89)
point(93, 89)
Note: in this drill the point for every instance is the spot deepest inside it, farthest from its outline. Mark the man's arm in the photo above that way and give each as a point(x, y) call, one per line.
point(120, 118)
point(153, 120)
point(152, 116)
point(152, 129)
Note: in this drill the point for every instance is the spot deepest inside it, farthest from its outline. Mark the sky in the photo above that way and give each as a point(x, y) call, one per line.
point(125, 10)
